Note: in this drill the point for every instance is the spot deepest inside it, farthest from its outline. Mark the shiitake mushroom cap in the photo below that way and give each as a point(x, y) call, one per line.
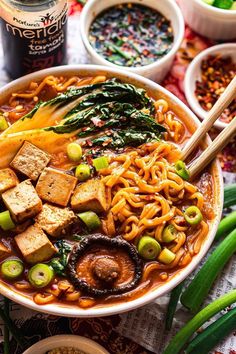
point(84, 245)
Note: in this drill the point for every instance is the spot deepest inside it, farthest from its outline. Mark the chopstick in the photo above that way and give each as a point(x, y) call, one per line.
point(213, 149)
point(224, 100)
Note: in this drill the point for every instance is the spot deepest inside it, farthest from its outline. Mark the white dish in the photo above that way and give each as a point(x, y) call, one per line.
point(69, 340)
point(155, 71)
point(209, 21)
point(192, 121)
point(193, 73)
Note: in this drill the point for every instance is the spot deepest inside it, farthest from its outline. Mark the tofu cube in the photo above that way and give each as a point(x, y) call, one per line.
point(8, 179)
point(55, 221)
point(4, 251)
point(90, 195)
point(22, 201)
point(55, 186)
point(34, 245)
point(30, 160)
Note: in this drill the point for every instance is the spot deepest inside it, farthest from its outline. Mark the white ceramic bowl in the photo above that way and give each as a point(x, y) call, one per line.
point(193, 74)
point(191, 120)
point(68, 340)
point(155, 71)
point(209, 21)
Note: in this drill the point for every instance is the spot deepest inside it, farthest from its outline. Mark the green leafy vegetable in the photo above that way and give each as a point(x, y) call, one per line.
point(59, 263)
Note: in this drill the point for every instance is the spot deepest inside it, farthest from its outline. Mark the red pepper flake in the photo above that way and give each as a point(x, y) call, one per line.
point(216, 73)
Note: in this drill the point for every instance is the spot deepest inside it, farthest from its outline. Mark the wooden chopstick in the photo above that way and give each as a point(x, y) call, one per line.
point(213, 149)
point(224, 100)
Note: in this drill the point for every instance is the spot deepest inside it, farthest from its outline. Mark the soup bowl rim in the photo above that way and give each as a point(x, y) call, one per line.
point(149, 296)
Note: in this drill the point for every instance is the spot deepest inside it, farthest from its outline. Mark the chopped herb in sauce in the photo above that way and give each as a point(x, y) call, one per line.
point(131, 35)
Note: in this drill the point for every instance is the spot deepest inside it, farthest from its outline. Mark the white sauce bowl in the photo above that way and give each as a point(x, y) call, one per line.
point(155, 71)
point(209, 21)
point(193, 74)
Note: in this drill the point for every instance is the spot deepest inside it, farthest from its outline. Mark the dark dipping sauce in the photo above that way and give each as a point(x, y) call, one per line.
point(131, 35)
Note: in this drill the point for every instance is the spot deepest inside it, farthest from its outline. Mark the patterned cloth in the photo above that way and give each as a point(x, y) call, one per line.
point(35, 326)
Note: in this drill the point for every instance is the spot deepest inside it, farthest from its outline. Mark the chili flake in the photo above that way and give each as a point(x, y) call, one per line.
point(131, 35)
point(216, 74)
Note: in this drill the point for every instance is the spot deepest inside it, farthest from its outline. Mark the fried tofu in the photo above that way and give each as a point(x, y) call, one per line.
point(8, 179)
point(55, 186)
point(4, 251)
point(90, 195)
point(30, 160)
point(22, 201)
point(55, 221)
point(34, 245)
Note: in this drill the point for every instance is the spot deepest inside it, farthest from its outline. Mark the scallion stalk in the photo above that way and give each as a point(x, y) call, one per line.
point(181, 338)
point(213, 334)
point(6, 341)
point(13, 329)
point(226, 225)
point(174, 298)
point(194, 295)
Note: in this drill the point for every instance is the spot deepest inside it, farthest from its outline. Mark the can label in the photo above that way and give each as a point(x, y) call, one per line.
point(34, 40)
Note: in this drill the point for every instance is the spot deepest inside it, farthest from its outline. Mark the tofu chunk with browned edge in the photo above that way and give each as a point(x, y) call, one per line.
point(8, 179)
point(55, 221)
point(22, 201)
point(35, 245)
point(55, 186)
point(90, 195)
point(30, 160)
point(4, 251)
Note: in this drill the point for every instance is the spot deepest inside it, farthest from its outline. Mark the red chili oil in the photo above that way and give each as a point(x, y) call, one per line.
point(131, 35)
point(216, 74)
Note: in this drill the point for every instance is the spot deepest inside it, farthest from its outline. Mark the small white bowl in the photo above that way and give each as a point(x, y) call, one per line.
point(86, 345)
point(193, 74)
point(209, 21)
point(155, 71)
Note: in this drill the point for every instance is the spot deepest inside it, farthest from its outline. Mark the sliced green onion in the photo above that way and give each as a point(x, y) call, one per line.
point(148, 248)
point(194, 295)
point(12, 268)
point(82, 172)
point(182, 170)
point(169, 233)
point(6, 222)
point(207, 340)
point(3, 123)
point(193, 215)
point(166, 256)
point(182, 337)
point(40, 275)
point(74, 152)
point(90, 219)
point(100, 163)
point(226, 225)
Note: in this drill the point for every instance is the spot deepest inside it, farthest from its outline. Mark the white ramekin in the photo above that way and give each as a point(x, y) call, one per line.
point(155, 71)
point(209, 21)
point(181, 110)
point(68, 340)
point(193, 74)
